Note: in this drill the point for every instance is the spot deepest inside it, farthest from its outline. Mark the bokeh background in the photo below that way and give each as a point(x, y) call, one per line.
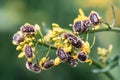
point(14, 13)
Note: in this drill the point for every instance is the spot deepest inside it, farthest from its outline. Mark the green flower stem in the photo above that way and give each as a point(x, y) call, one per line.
point(114, 29)
point(98, 65)
point(48, 45)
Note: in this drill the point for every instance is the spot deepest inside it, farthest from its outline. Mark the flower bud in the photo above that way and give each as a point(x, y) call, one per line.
point(82, 56)
point(86, 24)
point(33, 67)
point(48, 64)
point(17, 38)
point(74, 40)
point(73, 62)
point(78, 26)
point(57, 61)
point(18, 47)
point(62, 54)
point(94, 18)
point(28, 29)
point(29, 65)
point(78, 44)
point(42, 61)
point(36, 68)
point(28, 51)
point(81, 26)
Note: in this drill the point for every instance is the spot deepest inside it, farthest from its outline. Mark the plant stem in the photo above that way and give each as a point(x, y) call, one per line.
point(98, 65)
point(114, 29)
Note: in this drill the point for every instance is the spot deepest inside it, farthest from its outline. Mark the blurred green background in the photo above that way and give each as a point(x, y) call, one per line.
point(14, 13)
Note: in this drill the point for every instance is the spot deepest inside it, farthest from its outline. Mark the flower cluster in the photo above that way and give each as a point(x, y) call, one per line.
point(70, 47)
point(83, 23)
point(25, 41)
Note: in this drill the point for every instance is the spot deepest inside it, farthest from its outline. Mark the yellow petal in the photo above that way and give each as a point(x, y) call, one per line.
point(29, 59)
point(18, 48)
point(56, 38)
point(22, 43)
point(86, 47)
point(21, 55)
point(87, 44)
point(31, 44)
point(67, 48)
point(55, 25)
point(57, 61)
point(81, 12)
point(42, 61)
point(26, 24)
point(14, 43)
point(75, 56)
point(89, 61)
point(66, 41)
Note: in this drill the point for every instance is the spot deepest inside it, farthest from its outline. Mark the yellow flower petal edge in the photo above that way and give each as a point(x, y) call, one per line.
point(81, 16)
point(81, 12)
point(42, 61)
point(21, 55)
point(89, 61)
point(57, 61)
point(86, 47)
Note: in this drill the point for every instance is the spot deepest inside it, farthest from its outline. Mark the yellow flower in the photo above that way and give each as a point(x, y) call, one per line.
point(66, 41)
point(28, 39)
point(103, 53)
point(19, 47)
point(42, 61)
point(30, 59)
point(22, 43)
point(57, 61)
point(80, 17)
point(58, 43)
point(29, 52)
point(67, 47)
point(63, 43)
point(21, 55)
point(56, 38)
point(75, 56)
point(49, 35)
point(56, 30)
point(89, 61)
point(86, 47)
point(31, 44)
